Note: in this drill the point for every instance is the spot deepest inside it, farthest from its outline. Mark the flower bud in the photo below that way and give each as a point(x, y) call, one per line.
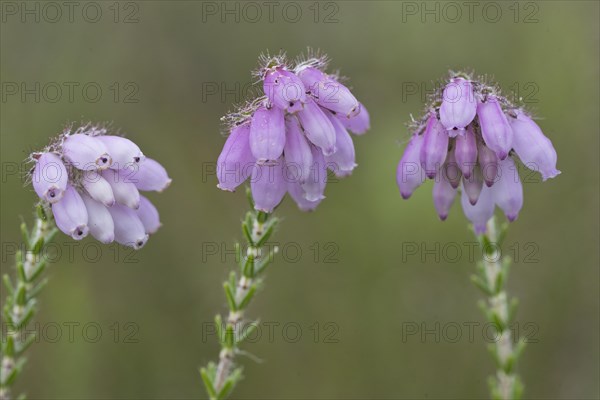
point(50, 177)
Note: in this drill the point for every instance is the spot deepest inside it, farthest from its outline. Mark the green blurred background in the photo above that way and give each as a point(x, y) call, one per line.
point(363, 289)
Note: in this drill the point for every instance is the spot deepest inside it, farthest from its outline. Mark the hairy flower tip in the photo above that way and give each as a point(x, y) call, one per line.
point(86, 173)
point(468, 138)
point(287, 138)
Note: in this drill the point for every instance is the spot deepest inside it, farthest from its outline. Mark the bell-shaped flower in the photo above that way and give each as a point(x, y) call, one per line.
point(129, 229)
point(466, 152)
point(49, 177)
point(148, 214)
point(98, 188)
point(149, 175)
point(488, 161)
point(70, 214)
point(236, 161)
point(268, 186)
point(86, 152)
point(409, 174)
point(329, 93)
point(284, 90)
point(314, 186)
point(342, 162)
point(317, 127)
point(122, 151)
point(508, 190)
point(298, 155)
point(358, 124)
point(451, 169)
point(533, 148)
point(443, 196)
point(482, 211)
point(299, 196)
point(125, 192)
point(267, 134)
point(458, 107)
point(435, 146)
point(495, 129)
point(472, 186)
point(100, 222)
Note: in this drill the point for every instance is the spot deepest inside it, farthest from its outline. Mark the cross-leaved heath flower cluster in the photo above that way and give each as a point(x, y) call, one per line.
point(91, 181)
point(470, 137)
point(286, 140)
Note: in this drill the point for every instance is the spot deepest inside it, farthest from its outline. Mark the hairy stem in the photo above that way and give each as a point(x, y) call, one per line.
point(20, 305)
point(491, 278)
point(219, 379)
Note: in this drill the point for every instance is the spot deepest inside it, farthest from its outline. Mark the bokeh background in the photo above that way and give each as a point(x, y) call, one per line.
point(346, 272)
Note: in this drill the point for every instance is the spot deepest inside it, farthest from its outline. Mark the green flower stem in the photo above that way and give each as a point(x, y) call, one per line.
point(491, 278)
point(20, 305)
point(220, 379)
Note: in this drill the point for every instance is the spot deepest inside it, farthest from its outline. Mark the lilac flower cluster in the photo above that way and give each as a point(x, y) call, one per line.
point(470, 136)
point(91, 181)
point(286, 140)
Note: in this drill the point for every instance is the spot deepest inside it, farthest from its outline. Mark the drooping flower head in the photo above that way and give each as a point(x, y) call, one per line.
point(469, 137)
point(90, 179)
point(287, 139)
